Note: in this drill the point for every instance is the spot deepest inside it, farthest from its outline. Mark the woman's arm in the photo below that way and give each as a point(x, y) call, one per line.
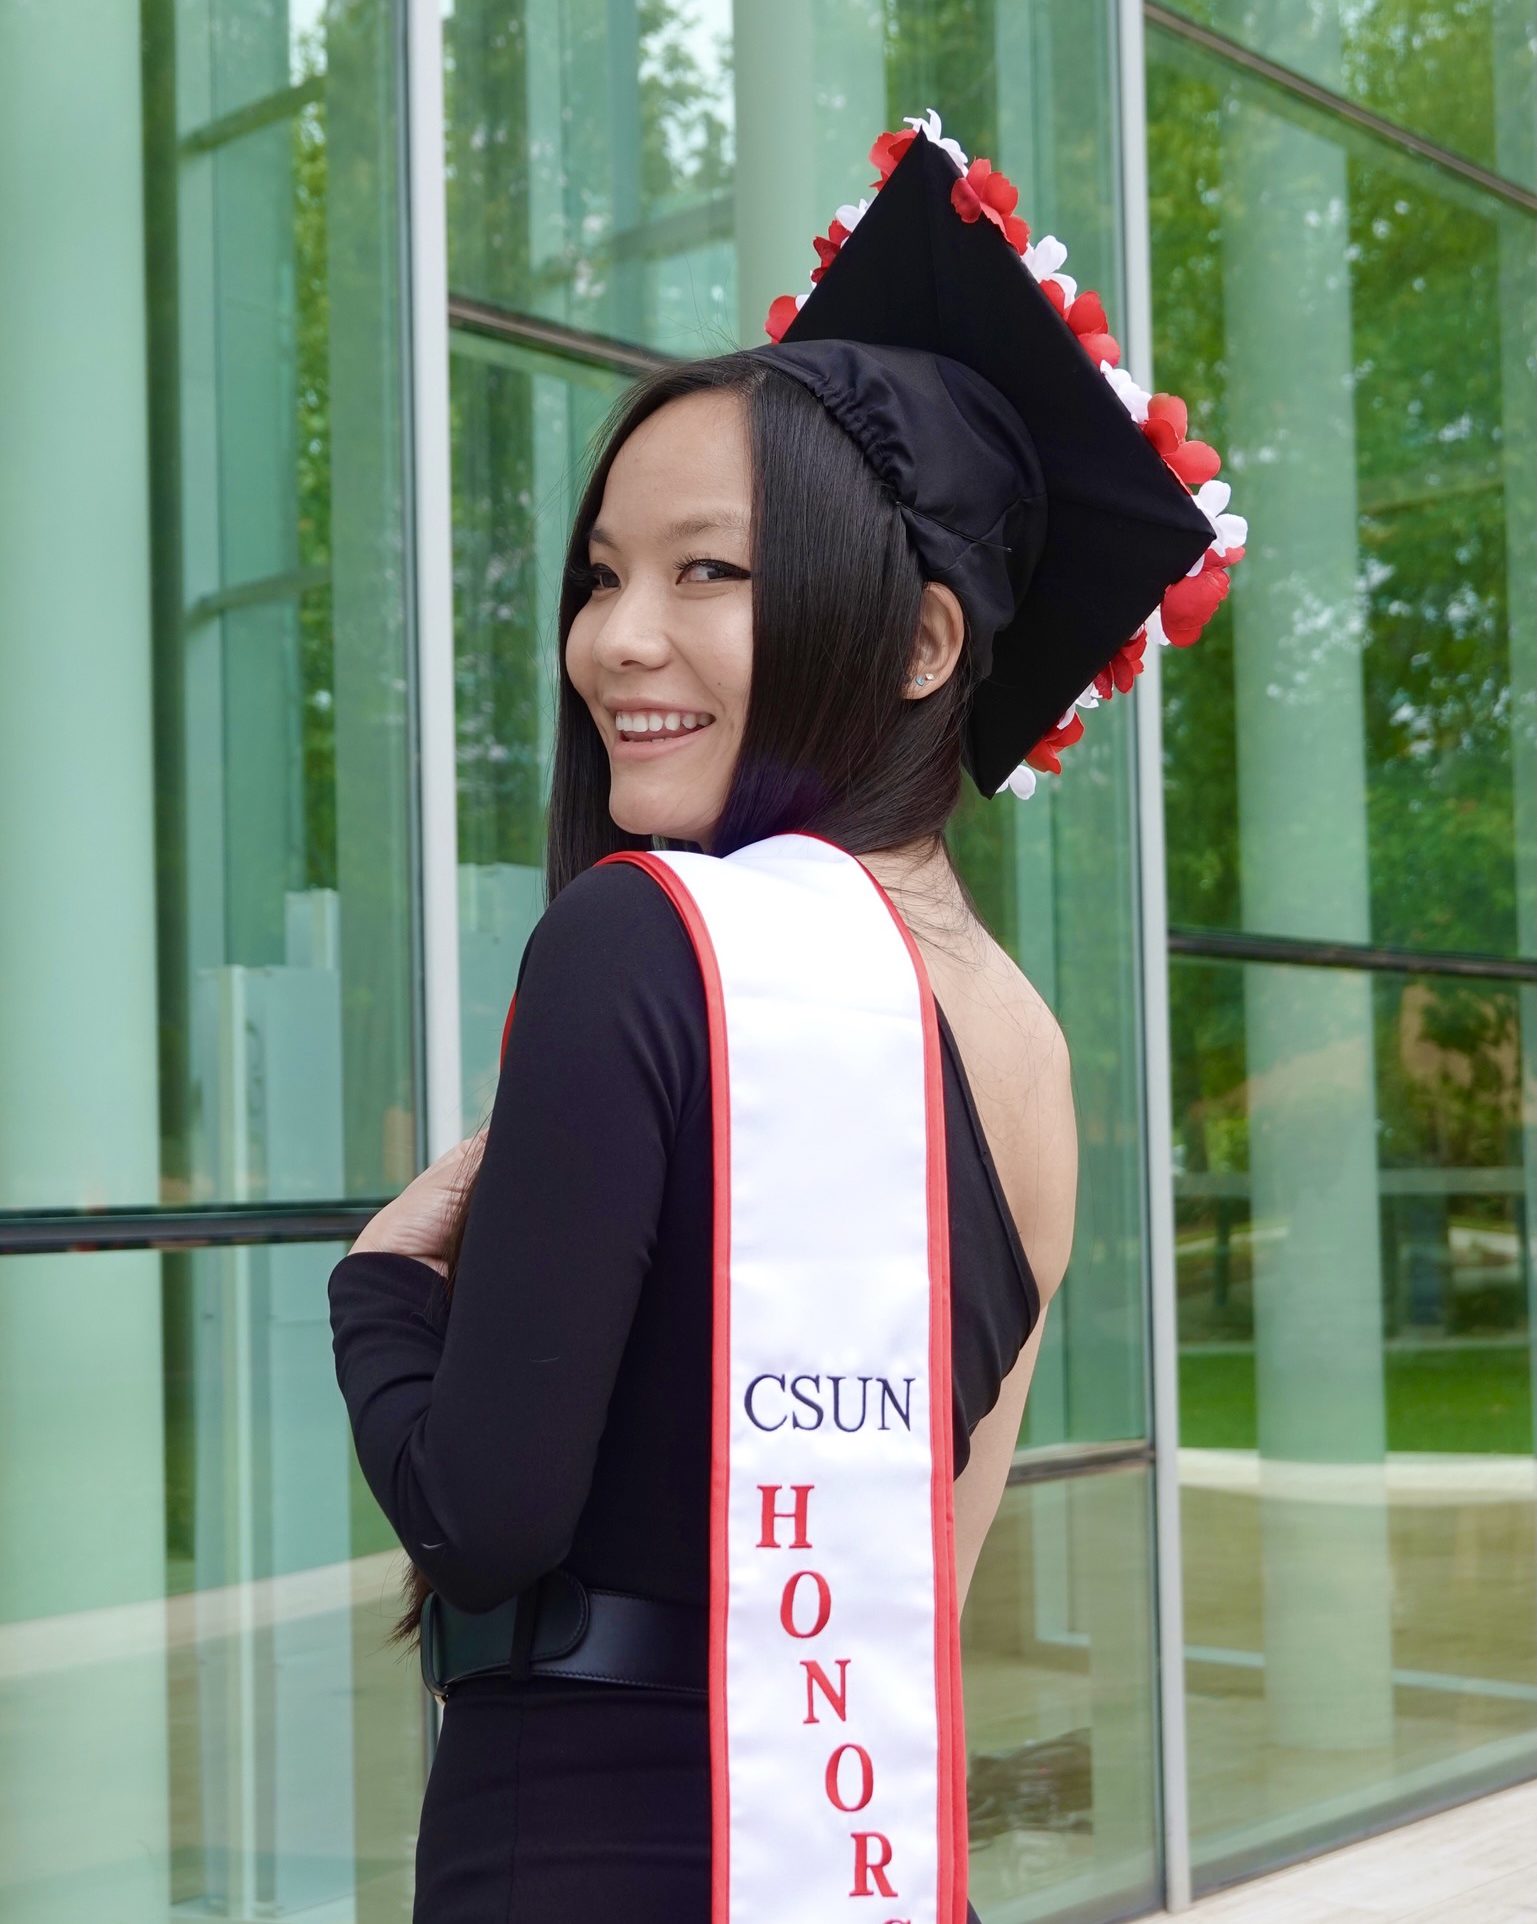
point(477, 1425)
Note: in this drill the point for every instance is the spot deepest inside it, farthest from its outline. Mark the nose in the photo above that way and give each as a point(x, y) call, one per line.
point(634, 629)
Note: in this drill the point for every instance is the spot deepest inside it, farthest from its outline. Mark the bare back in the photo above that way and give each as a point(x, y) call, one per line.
point(1017, 1063)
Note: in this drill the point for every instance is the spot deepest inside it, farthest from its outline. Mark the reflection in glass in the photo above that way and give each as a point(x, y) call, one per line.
point(1354, 1185)
point(656, 174)
point(1462, 73)
point(193, 1600)
point(209, 753)
point(590, 154)
point(1057, 1649)
point(523, 427)
point(1352, 752)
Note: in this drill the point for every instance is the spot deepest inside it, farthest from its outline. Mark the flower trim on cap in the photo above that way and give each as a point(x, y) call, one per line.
point(1187, 605)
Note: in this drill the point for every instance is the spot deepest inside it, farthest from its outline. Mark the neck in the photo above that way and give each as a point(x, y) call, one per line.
point(920, 881)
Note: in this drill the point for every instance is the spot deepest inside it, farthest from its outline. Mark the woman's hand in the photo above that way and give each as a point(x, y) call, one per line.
point(416, 1222)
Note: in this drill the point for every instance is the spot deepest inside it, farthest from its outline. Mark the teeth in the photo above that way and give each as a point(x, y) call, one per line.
point(655, 722)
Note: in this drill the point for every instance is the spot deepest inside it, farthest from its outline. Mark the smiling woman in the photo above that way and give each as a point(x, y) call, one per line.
point(750, 648)
point(661, 651)
point(733, 1130)
point(693, 589)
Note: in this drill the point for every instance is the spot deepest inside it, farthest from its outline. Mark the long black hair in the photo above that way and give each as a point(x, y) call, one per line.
point(829, 744)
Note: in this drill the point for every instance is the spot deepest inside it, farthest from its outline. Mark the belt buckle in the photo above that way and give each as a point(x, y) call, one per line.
point(502, 1641)
point(428, 1646)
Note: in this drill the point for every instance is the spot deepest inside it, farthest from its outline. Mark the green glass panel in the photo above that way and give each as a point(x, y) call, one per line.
point(194, 1600)
point(1057, 1649)
point(1355, 1188)
point(655, 174)
point(1351, 750)
point(523, 423)
point(202, 625)
point(1461, 73)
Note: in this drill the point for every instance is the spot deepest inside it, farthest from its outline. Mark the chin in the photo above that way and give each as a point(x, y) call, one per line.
point(655, 818)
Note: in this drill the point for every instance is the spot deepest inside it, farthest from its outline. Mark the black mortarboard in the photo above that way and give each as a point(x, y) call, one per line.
point(1024, 482)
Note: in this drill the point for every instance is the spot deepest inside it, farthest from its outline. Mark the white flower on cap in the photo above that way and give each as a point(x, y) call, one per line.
point(928, 120)
point(1044, 258)
point(1232, 530)
point(1020, 782)
point(1132, 397)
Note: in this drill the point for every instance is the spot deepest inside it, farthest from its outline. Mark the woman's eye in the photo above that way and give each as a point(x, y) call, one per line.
point(724, 570)
point(594, 575)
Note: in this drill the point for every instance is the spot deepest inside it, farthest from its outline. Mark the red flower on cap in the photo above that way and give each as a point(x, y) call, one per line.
point(1086, 317)
point(1167, 421)
point(827, 246)
point(781, 312)
point(888, 150)
point(1044, 754)
point(1123, 667)
point(981, 191)
point(1194, 599)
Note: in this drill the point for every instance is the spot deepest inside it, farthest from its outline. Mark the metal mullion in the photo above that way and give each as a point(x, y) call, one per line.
point(268, 111)
point(289, 586)
point(552, 337)
point(1157, 1086)
point(1057, 1462)
point(431, 561)
point(1217, 945)
point(60, 1232)
point(1338, 106)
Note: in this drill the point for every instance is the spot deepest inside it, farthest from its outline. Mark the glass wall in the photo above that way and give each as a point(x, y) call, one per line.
point(1351, 779)
point(627, 183)
point(211, 933)
point(208, 1031)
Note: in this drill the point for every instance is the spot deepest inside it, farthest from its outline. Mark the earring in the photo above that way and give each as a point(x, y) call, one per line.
point(919, 680)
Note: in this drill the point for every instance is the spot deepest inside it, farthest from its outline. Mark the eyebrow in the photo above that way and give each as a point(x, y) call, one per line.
point(725, 520)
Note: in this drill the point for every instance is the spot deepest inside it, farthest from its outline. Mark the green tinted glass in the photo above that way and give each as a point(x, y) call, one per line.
point(1354, 1188)
point(1058, 1659)
point(1461, 73)
point(205, 751)
point(1352, 749)
point(195, 1597)
point(523, 426)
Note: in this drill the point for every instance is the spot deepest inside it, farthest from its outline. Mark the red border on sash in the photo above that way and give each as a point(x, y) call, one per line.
point(720, 1405)
point(506, 1030)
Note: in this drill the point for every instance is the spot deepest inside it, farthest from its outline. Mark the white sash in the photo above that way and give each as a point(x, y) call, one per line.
point(837, 1737)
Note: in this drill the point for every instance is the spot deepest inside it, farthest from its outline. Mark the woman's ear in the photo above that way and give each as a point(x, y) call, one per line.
point(941, 633)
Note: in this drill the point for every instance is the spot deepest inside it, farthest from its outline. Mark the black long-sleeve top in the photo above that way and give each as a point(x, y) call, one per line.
point(557, 1408)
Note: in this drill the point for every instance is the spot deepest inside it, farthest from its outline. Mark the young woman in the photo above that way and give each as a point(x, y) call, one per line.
point(755, 642)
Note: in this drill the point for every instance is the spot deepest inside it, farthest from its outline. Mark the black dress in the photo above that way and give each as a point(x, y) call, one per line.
point(559, 1412)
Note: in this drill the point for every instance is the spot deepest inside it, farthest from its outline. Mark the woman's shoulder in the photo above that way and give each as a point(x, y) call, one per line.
point(616, 918)
point(609, 972)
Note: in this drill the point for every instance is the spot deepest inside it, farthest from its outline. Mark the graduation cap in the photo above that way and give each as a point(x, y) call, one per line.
point(1050, 492)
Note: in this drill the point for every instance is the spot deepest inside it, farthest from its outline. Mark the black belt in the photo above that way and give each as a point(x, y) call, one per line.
point(563, 1627)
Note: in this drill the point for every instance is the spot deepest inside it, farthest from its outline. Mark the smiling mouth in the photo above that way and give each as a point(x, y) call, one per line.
point(656, 728)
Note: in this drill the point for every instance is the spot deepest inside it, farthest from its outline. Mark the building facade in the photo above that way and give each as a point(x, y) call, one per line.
point(310, 309)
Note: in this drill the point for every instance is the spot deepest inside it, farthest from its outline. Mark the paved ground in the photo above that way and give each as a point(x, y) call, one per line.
point(1475, 1865)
